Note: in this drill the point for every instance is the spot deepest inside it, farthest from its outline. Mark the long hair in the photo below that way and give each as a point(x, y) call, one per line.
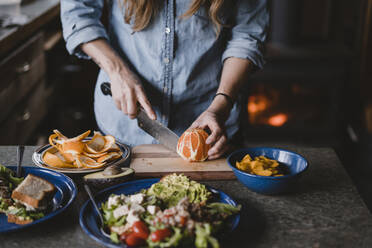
point(140, 12)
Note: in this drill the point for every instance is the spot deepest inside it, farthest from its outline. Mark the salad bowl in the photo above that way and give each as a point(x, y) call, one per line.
point(89, 219)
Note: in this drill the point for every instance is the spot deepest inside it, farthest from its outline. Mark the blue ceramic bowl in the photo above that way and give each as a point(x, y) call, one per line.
point(89, 218)
point(65, 194)
point(295, 164)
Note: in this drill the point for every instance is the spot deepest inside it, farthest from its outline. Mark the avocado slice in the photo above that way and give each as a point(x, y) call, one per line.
point(110, 176)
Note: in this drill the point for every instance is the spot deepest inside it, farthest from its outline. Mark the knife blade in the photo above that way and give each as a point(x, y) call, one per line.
point(156, 129)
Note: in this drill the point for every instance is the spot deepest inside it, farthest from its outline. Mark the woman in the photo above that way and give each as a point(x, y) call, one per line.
point(183, 61)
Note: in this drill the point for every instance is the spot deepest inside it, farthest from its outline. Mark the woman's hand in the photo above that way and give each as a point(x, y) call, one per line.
point(235, 72)
point(126, 87)
point(213, 119)
point(127, 91)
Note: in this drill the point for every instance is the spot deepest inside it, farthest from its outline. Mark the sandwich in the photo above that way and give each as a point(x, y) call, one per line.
point(31, 199)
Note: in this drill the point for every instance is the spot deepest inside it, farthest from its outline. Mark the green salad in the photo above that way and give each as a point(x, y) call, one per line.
point(175, 212)
point(8, 182)
point(8, 206)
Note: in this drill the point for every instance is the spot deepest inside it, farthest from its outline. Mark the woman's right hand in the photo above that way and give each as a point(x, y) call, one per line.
point(126, 88)
point(127, 91)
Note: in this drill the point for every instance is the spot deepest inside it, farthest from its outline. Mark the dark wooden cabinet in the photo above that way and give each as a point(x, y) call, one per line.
point(25, 90)
point(20, 72)
point(25, 117)
point(22, 91)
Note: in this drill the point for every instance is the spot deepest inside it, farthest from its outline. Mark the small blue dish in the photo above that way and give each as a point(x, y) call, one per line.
point(64, 196)
point(295, 163)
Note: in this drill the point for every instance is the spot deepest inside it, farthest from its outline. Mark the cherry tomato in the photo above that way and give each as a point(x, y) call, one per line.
point(124, 236)
point(160, 234)
point(140, 229)
point(133, 240)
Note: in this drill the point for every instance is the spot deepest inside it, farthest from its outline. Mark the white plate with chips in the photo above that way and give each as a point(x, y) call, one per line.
point(37, 158)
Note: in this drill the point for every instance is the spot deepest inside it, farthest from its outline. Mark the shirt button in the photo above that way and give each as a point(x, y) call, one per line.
point(166, 60)
point(167, 30)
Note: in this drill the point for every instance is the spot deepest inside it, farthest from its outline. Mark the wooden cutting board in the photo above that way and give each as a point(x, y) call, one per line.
point(156, 160)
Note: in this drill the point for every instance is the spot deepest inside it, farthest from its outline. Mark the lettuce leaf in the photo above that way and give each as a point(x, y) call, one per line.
point(223, 208)
point(114, 237)
point(9, 175)
point(203, 236)
point(108, 215)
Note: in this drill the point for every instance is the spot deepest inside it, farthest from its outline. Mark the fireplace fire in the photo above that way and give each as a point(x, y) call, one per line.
point(285, 105)
point(262, 108)
point(298, 95)
point(278, 120)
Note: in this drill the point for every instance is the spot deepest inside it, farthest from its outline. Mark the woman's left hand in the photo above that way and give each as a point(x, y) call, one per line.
point(213, 119)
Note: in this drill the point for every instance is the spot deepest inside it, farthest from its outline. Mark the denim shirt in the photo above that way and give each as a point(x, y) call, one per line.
point(179, 60)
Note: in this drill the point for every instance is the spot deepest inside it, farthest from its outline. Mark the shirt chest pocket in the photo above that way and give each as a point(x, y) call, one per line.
point(196, 27)
point(203, 15)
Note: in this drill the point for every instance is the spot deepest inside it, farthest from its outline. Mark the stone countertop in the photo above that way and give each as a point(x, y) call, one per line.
point(39, 12)
point(325, 211)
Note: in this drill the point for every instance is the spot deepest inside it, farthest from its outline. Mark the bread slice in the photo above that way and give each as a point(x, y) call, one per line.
point(34, 192)
point(16, 219)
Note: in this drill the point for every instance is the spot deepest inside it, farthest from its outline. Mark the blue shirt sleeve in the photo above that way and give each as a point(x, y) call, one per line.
point(81, 23)
point(249, 32)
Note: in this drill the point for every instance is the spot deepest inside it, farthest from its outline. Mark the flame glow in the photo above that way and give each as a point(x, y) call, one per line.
point(257, 103)
point(278, 120)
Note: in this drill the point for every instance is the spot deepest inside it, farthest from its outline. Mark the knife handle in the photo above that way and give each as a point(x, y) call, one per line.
point(106, 88)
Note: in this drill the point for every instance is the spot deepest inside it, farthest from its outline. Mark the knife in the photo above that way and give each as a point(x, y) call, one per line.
point(161, 133)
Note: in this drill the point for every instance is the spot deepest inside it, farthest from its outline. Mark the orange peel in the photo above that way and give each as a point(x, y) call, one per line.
point(96, 144)
point(94, 155)
point(80, 137)
point(55, 161)
point(69, 158)
point(114, 148)
point(109, 142)
point(73, 147)
point(101, 144)
point(79, 153)
point(59, 134)
point(88, 162)
point(109, 156)
point(52, 139)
